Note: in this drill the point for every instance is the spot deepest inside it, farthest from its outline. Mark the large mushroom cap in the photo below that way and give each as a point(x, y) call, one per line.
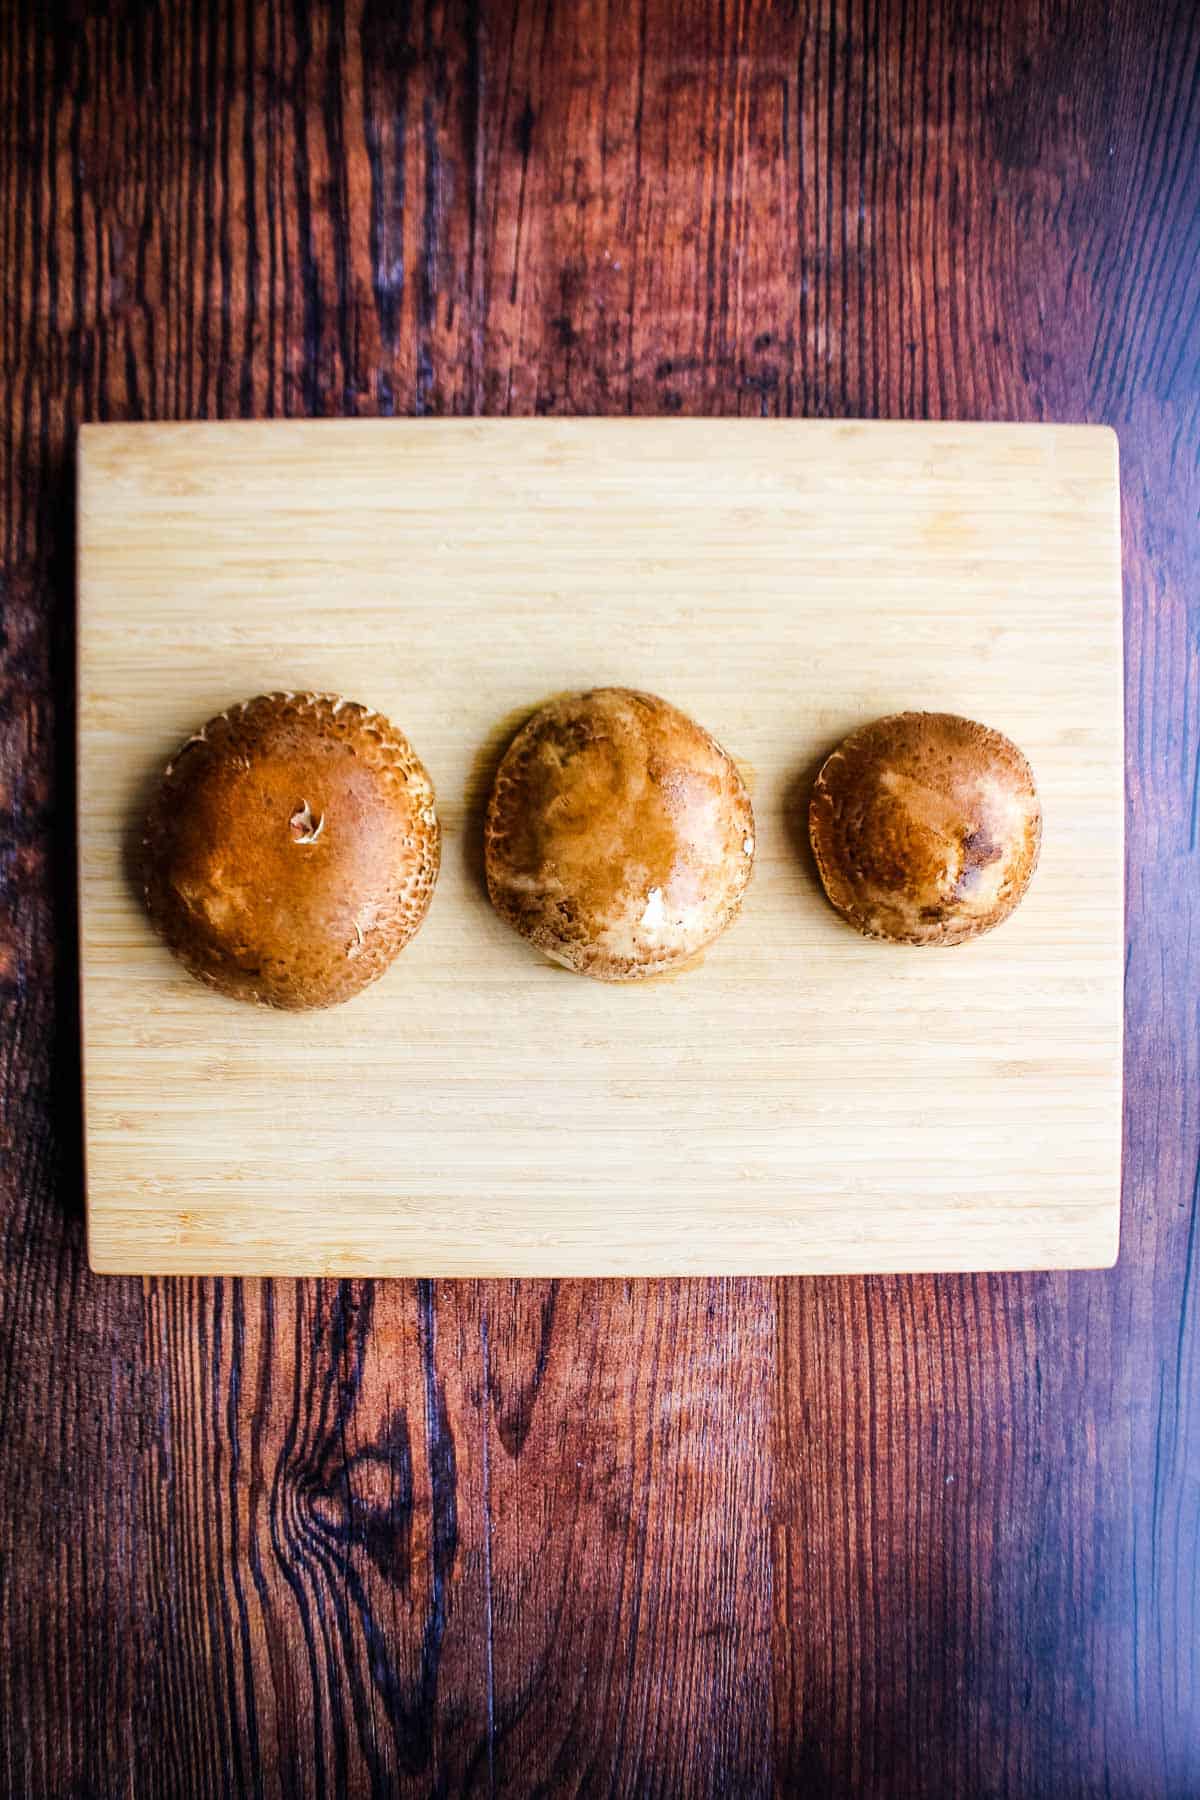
point(291, 849)
point(619, 837)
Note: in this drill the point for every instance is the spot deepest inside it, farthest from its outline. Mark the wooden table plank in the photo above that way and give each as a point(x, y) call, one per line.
point(941, 1533)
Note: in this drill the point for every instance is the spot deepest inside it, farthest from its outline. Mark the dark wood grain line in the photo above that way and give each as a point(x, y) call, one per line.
point(489, 1526)
point(239, 1563)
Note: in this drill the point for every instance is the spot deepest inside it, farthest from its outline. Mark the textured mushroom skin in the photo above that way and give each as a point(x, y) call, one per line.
point(926, 828)
point(291, 850)
point(619, 836)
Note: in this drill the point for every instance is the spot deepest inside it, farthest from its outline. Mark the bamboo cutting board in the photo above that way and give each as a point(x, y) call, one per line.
point(802, 1101)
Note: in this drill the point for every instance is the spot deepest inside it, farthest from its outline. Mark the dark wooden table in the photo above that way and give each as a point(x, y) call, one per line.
point(857, 1537)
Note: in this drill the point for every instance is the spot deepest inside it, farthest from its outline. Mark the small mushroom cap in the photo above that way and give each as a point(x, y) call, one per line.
point(291, 850)
point(619, 836)
point(926, 828)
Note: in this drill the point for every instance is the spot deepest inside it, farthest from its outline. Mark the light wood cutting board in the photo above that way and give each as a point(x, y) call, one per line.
point(804, 1100)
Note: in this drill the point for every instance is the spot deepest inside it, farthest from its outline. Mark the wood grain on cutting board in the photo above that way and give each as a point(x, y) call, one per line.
point(804, 1100)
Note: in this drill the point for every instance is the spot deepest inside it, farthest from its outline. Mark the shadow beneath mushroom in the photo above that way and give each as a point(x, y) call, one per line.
point(797, 794)
point(484, 765)
point(134, 835)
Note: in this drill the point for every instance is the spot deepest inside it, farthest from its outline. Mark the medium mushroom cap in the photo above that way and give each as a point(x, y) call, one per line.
point(619, 836)
point(291, 850)
point(926, 828)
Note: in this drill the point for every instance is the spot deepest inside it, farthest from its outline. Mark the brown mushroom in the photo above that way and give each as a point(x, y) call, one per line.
point(925, 828)
point(619, 835)
point(291, 850)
